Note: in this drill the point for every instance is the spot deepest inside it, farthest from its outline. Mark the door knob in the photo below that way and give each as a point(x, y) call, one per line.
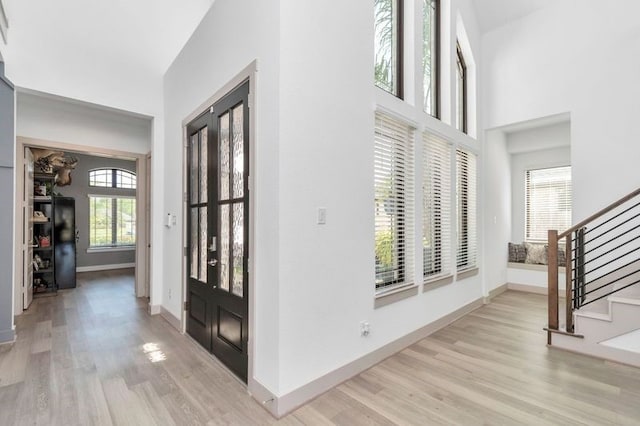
point(213, 262)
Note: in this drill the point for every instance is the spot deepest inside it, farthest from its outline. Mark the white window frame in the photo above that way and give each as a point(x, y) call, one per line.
point(396, 49)
point(466, 210)
point(436, 206)
point(394, 202)
point(114, 246)
point(565, 200)
point(113, 181)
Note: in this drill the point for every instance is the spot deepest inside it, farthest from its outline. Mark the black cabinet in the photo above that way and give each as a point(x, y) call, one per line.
point(64, 235)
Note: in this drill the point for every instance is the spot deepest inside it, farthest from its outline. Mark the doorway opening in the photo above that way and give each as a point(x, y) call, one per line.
point(81, 212)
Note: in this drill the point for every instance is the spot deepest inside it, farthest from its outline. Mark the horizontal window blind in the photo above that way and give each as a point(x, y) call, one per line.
point(547, 201)
point(394, 202)
point(466, 189)
point(436, 218)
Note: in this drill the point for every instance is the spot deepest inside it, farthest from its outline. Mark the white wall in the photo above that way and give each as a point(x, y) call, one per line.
point(497, 203)
point(538, 136)
point(554, 61)
point(326, 160)
point(60, 120)
point(530, 275)
point(229, 38)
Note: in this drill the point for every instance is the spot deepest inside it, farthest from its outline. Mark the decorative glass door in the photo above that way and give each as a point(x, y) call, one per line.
point(218, 201)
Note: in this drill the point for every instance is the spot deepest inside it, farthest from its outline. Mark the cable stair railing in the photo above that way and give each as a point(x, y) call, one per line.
point(602, 258)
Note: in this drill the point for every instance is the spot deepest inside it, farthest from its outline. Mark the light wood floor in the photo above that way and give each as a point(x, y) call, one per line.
point(85, 357)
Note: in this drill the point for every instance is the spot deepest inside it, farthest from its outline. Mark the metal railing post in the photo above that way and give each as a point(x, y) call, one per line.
point(580, 296)
point(568, 283)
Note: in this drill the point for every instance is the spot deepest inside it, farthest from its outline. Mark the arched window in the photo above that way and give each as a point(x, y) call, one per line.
point(112, 218)
point(112, 178)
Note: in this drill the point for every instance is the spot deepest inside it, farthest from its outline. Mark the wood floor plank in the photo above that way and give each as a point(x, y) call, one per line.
point(13, 364)
point(93, 356)
point(92, 403)
point(125, 406)
point(8, 402)
point(161, 416)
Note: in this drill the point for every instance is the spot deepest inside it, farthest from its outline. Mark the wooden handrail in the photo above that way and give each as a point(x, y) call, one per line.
point(600, 213)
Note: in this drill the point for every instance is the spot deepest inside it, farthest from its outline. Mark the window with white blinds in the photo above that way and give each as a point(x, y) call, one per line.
point(547, 201)
point(436, 213)
point(394, 202)
point(466, 189)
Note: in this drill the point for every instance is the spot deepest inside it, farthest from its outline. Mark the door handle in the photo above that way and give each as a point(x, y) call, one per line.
point(212, 246)
point(212, 262)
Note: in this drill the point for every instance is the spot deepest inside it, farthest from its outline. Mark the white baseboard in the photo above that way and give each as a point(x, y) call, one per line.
point(96, 268)
point(527, 288)
point(171, 319)
point(263, 396)
point(292, 400)
point(495, 292)
point(154, 309)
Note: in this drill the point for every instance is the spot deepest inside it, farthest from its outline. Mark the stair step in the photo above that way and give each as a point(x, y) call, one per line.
point(627, 300)
point(594, 315)
point(627, 342)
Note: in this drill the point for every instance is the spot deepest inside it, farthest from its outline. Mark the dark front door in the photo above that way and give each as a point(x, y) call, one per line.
point(217, 225)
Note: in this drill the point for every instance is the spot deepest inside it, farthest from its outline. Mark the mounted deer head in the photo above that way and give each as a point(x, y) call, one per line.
point(50, 161)
point(63, 173)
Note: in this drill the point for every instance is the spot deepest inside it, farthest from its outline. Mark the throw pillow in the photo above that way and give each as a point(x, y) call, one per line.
point(536, 254)
point(512, 252)
point(517, 253)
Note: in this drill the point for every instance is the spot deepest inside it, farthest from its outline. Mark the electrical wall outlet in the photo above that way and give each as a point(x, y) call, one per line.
point(365, 328)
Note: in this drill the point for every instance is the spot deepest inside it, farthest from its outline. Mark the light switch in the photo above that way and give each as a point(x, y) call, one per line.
point(322, 216)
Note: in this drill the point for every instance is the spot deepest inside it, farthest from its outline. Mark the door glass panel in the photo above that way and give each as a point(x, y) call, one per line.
point(238, 248)
point(194, 243)
point(224, 246)
point(203, 165)
point(225, 157)
point(193, 172)
point(238, 152)
point(203, 244)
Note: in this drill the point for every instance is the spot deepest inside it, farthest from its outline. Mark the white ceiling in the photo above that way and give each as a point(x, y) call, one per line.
point(144, 34)
point(496, 13)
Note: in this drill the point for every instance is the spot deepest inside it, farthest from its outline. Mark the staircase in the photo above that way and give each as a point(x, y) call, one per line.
point(601, 303)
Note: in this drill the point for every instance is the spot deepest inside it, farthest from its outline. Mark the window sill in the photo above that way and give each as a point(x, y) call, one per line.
point(531, 266)
point(467, 273)
point(387, 297)
point(436, 282)
point(110, 249)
